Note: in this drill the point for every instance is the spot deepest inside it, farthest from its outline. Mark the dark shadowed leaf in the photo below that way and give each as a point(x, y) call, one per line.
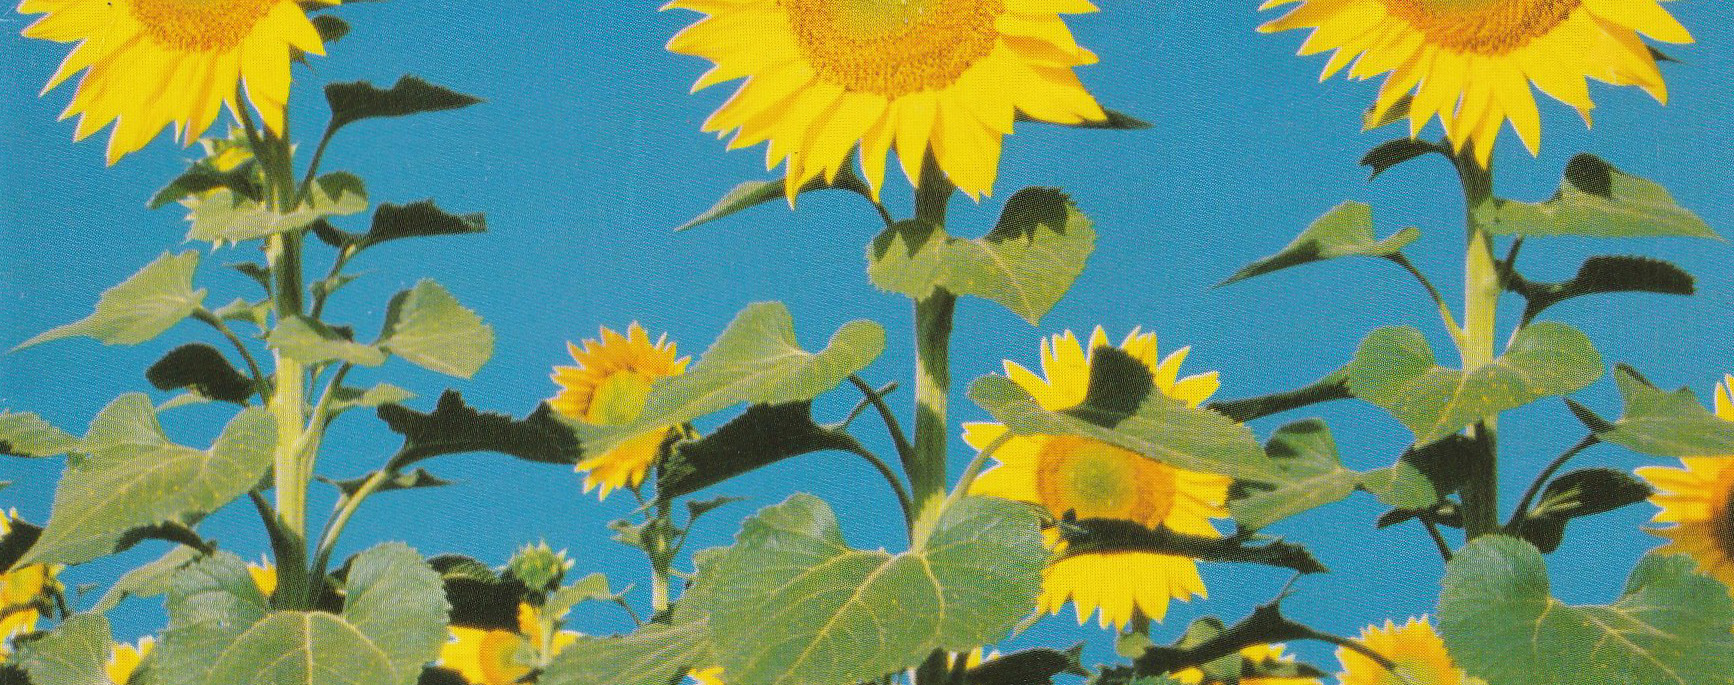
point(754, 193)
point(417, 219)
point(1395, 152)
point(454, 428)
point(1580, 493)
point(202, 369)
point(764, 435)
point(1600, 275)
point(352, 102)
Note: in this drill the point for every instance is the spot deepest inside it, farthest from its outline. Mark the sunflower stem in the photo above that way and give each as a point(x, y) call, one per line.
point(933, 323)
point(1481, 291)
point(661, 559)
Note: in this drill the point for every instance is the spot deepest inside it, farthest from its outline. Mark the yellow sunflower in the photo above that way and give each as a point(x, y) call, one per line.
point(1471, 62)
point(1698, 500)
point(124, 659)
point(150, 64)
point(948, 76)
point(1099, 481)
point(1415, 648)
point(1257, 654)
point(608, 387)
point(707, 676)
point(501, 657)
point(264, 575)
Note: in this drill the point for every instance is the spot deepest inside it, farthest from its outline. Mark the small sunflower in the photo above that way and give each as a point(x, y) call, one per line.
point(1471, 62)
point(1258, 654)
point(1698, 500)
point(152, 64)
point(124, 659)
point(1096, 480)
point(608, 387)
point(501, 657)
point(1415, 648)
point(826, 76)
point(707, 676)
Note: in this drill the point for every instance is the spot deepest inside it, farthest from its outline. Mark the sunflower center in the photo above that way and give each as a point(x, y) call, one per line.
point(1098, 480)
point(893, 47)
point(200, 25)
point(1486, 27)
point(619, 398)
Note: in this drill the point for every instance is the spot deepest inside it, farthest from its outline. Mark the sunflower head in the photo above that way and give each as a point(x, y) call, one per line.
point(155, 64)
point(608, 387)
point(1697, 503)
point(946, 77)
point(123, 659)
point(1415, 648)
point(1470, 63)
point(502, 657)
point(1270, 655)
point(1089, 479)
point(25, 591)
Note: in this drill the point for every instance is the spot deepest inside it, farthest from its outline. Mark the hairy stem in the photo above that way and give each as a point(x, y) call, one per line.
point(1481, 291)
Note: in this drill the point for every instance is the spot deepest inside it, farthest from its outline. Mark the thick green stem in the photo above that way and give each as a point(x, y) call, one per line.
point(288, 408)
point(933, 321)
point(1481, 291)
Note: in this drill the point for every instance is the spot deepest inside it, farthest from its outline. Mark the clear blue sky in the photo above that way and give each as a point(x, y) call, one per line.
point(588, 152)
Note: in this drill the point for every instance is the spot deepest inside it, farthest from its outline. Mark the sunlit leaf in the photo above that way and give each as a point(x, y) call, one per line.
point(141, 307)
point(429, 328)
point(1661, 423)
point(311, 342)
point(1597, 200)
point(222, 216)
point(1345, 231)
point(27, 435)
point(74, 653)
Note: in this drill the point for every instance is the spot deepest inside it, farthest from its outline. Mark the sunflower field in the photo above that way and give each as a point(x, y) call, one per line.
point(464, 349)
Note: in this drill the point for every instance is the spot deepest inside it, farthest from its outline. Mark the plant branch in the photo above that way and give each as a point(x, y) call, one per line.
point(905, 451)
point(1433, 292)
point(890, 475)
point(306, 185)
point(1515, 525)
point(1438, 538)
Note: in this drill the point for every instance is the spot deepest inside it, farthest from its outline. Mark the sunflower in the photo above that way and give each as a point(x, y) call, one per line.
point(24, 590)
point(1095, 480)
point(707, 676)
point(1471, 62)
point(501, 657)
point(608, 387)
point(1258, 654)
point(1699, 501)
point(151, 64)
point(124, 659)
point(1415, 648)
point(948, 76)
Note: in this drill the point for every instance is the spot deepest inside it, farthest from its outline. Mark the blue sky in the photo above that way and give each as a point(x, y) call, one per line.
point(587, 152)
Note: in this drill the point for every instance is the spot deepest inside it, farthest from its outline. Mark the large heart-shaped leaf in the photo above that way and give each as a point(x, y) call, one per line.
point(756, 360)
point(1595, 200)
point(791, 602)
point(1123, 409)
point(1345, 231)
point(210, 603)
point(1027, 263)
point(1661, 423)
point(302, 648)
point(656, 654)
point(141, 307)
point(133, 477)
point(1395, 369)
point(398, 603)
point(1669, 627)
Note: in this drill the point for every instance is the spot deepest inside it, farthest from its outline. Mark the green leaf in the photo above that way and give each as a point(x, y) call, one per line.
point(754, 193)
point(1501, 624)
point(1345, 231)
point(133, 477)
point(141, 307)
point(427, 327)
point(150, 580)
point(1659, 423)
point(1585, 492)
point(590, 588)
point(352, 102)
point(211, 604)
point(202, 177)
point(311, 342)
point(398, 603)
point(1395, 369)
point(454, 427)
point(224, 216)
point(1596, 200)
point(1601, 275)
point(27, 435)
point(331, 29)
point(1110, 536)
point(302, 648)
point(1315, 476)
point(656, 654)
point(75, 653)
point(202, 369)
point(416, 220)
point(346, 398)
point(1027, 263)
point(792, 603)
point(756, 360)
point(1122, 409)
point(764, 435)
point(413, 480)
point(1395, 152)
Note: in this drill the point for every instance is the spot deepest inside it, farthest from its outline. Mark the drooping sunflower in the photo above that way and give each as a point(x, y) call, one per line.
point(500, 657)
point(152, 64)
point(608, 387)
point(1095, 480)
point(826, 76)
point(123, 659)
point(1415, 648)
point(1259, 654)
point(1698, 502)
point(1471, 62)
